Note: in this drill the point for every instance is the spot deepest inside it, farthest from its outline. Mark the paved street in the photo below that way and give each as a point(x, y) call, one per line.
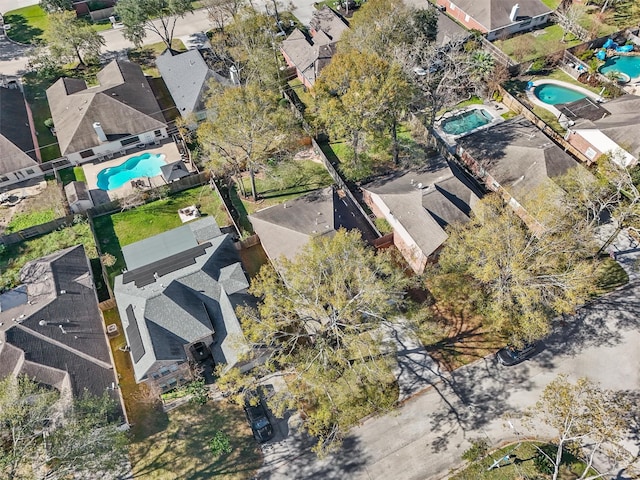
point(427, 436)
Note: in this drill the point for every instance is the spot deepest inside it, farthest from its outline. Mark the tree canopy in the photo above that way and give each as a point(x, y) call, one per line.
point(589, 417)
point(42, 435)
point(69, 38)
point(247, 128)
point(523, 279)
point(362, 98)
point(322, 325)
point(51, 6)
point(155, 16)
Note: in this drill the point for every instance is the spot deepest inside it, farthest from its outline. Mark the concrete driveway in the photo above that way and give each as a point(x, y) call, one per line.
point(427, 436)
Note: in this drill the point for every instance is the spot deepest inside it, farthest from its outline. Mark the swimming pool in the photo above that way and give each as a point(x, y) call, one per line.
point(629, 65)
point(465, 122)
point(145, 165)
point(553, 94)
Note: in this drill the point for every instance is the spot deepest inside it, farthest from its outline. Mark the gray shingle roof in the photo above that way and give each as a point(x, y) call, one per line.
point(187, 77)
point(15, 134)
point(518, 155)
point(174, 171)
point(186, 304)
point(60, 331)
point(494, 14)
point(123, 103)
point(425, 201)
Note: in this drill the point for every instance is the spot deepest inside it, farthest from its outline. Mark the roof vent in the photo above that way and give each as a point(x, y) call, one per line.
point(420, 185)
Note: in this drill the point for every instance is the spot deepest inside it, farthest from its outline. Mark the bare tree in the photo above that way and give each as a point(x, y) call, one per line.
point(221, 11)
point(568, 18)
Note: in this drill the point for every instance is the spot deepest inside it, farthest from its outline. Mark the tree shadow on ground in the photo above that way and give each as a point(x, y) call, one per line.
point(21, 31)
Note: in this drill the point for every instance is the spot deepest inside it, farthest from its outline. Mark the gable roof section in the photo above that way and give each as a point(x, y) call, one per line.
point(16, 143)
point(494, 14)
point(186, 76)
point(184, 303)
point(517, 155)
point(61, 334)
point(425, 201)
point(123, 103)
point(329, 22)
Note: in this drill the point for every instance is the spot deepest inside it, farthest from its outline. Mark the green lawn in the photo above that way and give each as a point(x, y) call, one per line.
point(282, 183)
point(472, 101)
point(28, 24)
point(552, 4)
point(610, 276)
point(119, 229)
point(72, 174)
point(146, 55)
point(302, 92)
point(13, 257)
point(624, 14)
point(35, 93)
point(26, 220)
point(538, 43)
point(520, 465)
point(180, 451)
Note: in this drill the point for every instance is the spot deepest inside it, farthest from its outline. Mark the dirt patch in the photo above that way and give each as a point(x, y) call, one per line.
point(39, 197)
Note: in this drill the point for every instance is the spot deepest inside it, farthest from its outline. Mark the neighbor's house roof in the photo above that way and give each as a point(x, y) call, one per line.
point(174, 171)
point(56, 333)
point(426, 200)
point(494, 14)
point(448, 30)
point(170, 301)
point(517, 155)
point(123, 103)
point(285, 228)
point(311, 56)
point(617, 125)
point(187, 76)
point(16, 143)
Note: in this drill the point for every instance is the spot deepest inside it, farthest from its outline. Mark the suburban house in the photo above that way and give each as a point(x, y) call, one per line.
point(498, 18)
point(17, 151)
point(187, 76)
point(51, 328)
point(599, 129)
point(118, 114)
point(514, 158)
point(419, 204)
point(310, 56)
point(85, 7)
point(284, 229)
point(179, 292)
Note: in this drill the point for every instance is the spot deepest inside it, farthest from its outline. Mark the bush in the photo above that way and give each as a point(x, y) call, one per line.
point(479, 448)
point(48, 123)
point(538, 65)
point(542, 463)
point(383, 225)
point(220, 444)
point(198, 391)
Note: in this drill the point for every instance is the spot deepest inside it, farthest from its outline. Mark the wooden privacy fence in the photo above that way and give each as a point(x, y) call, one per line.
point(36, 230)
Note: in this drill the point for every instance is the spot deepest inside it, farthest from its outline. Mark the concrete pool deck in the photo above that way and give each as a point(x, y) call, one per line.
point(494, 108)
point(91, 170)
point(536, 101)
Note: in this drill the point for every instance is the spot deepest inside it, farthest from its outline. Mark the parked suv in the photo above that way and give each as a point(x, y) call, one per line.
point(257, 417)
point(509, 356)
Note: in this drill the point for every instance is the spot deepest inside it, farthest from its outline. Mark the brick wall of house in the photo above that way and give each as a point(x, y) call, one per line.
point(453, 10)
point(582, 144)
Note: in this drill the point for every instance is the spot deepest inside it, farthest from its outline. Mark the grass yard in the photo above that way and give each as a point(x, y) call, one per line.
point(276, 185)
point(13, 257)
point(538, 43)
point(22, 221)
point(35, 93)
point(552, 4)
point(520, 465)
point(42, 206)
point(302, 92)
point(610, 276)
point(72, 174)
point(119, 229)
point(28, 24)
point(181, 451)
point(623, 14)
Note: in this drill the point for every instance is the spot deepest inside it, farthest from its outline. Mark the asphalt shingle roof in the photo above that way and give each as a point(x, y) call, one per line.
point(494, 14)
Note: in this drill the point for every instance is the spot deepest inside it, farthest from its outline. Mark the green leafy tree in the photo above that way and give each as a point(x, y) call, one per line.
point(322, 326)
point(155, 16)
point(69, 38)
point(51, 6)
point(522, 279)
point(248, 128)
point(584, 416)
point(41, 434)
point(360, 95)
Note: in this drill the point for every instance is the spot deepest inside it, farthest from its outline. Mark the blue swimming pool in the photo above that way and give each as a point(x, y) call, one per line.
point(629, 65)
point(465, 122)
point(552, 94)
point(145, 165)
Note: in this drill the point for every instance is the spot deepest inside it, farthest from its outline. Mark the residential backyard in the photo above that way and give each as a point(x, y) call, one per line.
point(119, 229)
point(538, 43)
point(43, 203)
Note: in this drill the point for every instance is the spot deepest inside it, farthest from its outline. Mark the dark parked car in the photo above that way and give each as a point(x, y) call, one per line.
point(512, 356)
point(258, 419)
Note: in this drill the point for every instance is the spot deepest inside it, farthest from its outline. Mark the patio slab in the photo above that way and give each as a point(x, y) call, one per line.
point(91, 170)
